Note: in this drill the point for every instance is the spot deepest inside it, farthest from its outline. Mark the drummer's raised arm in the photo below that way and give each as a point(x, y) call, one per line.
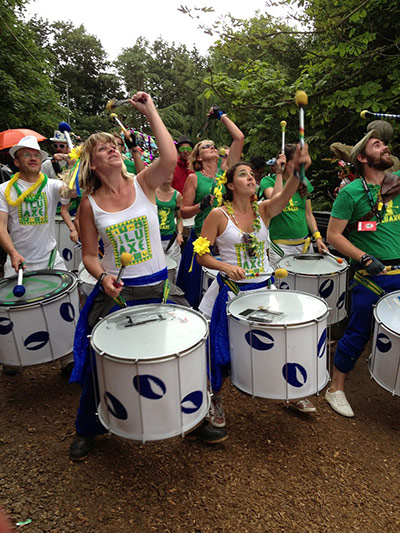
point(151, 177)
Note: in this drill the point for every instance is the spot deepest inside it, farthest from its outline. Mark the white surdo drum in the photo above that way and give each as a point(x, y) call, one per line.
point(278, 343)
point(152, 371)
point(319, 275)
point(39, 326)
point(384, 362)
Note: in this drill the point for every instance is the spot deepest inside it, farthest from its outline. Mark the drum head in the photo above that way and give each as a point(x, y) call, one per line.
point(277, 308)
point(387, 311)
point(147, 332)
point(171, 263)
point(311, 264)
point(39, 285)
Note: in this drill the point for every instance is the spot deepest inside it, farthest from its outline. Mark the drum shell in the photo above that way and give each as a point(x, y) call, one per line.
point(171, 267)
point(208, 276)
point(260, 370)
point(41, 332)
point(72, 256)
point(384, 362)
point(86, 281)
point(175, 378)
point(331, 287)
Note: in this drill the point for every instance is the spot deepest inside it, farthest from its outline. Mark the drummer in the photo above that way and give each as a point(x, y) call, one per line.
point(122, 210)
point(290, 230)
point(28, 204)
point(199, 197)
point(240, 230)
point(368, 210)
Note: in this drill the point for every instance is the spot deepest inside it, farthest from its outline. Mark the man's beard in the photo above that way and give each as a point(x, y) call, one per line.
point(379, 163)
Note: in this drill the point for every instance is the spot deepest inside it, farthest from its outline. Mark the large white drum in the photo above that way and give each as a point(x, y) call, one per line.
point(320, 275)
point(69, 251)
point(86, 281)
point(152, 371)
point(208, 276)
point(278, 343)
point(384, 362)
point(38, 327)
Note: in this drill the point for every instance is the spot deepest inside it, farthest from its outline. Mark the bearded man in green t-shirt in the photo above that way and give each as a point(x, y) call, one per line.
point(365, 226)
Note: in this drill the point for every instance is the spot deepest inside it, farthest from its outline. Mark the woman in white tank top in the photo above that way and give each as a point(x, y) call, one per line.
point(240, 230)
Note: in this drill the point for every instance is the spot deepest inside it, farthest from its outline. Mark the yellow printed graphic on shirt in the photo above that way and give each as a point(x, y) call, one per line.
point(163, 217)
point(133, 237)
point(391, 213)
point(252, 265)
point(291, 206)
point(33, 213)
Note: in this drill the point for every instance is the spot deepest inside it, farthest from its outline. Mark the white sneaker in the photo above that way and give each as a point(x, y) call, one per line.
point(338, 401)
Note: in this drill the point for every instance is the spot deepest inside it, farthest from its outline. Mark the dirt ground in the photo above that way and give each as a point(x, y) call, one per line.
point(279, 471)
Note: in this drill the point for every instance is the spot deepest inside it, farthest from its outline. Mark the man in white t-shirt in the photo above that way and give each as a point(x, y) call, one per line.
point(28, 204)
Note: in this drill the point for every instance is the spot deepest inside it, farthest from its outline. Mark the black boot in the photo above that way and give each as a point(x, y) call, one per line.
point(81, 447)
point(208, 433)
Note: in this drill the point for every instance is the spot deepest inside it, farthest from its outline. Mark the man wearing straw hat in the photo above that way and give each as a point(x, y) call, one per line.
point(365, 226)
point(28, 204)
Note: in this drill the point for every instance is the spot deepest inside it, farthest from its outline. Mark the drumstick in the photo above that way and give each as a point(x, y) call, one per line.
point(19, 289)
point(283, 126)
point(365, 114)
point(115, 117)
point(279, 273)
point(65, 128)
point(125, 259)
point(301, 101)
point(338, 259)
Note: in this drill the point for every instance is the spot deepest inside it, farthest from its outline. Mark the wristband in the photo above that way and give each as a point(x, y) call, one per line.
point(316, 235)
point(131, 143)
point(102, 276)
point(219, 114)
point(179, 232)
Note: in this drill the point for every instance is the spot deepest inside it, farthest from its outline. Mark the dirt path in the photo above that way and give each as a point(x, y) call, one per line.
point(279, 471)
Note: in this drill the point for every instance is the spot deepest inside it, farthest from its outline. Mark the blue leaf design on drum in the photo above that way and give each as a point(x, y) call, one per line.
point(253, 339)
point(340, 302)
point(194, 400)
point(115, 407)
point(383, 343)
point(6, 326)
point(67, 312)
point(326, 288)
point(67, 254)
point(322, 344)
point(295, 374)
point(284, 285)
point(37, 340)
point(149, 386)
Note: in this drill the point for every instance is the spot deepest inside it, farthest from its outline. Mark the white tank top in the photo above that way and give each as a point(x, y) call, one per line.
point(235, 252)
point(134, 230)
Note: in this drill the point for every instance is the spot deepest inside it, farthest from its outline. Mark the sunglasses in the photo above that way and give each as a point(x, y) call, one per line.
point(246, 239)
point(185, 148)
point(205, 146)
point(59, 145)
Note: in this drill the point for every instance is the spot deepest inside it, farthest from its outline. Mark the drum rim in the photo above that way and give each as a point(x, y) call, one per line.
point(105, 355)
point(378, 320)
point(282, 326)
point(307, 275)
point(40, 302)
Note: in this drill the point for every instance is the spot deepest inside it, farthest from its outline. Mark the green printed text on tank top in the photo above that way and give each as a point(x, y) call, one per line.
point(131, 236)
point(252, 265)
point(33, 213)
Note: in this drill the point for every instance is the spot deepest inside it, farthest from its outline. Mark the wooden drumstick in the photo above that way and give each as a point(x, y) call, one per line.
point(337, 259)
point(283, 127)
point(301, 101)
point(19, 289)
point(125, 259)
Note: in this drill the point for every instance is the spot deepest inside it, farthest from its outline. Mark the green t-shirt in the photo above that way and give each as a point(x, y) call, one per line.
point(264, 184)
point(166, 215)
point(130, 166)
point(352, 204)
point(205, 186)
point(291, 223)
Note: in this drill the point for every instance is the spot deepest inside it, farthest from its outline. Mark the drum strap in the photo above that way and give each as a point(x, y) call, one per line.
point(52, 258)
point(290, 242)
point(369, 284)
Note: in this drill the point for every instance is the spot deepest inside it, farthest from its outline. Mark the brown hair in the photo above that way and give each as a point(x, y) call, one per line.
point(87, 177)
point(229, 175)
point(194, 164)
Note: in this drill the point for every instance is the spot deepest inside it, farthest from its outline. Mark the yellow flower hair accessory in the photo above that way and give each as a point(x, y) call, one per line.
point(218, 196)
point(201, 246)
point(221, 180)
point(75, 153)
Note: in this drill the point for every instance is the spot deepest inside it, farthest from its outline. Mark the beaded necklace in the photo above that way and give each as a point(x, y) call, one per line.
point(23, 196)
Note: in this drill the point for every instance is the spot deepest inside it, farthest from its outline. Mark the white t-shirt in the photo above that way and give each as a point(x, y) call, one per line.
point(32, 224)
